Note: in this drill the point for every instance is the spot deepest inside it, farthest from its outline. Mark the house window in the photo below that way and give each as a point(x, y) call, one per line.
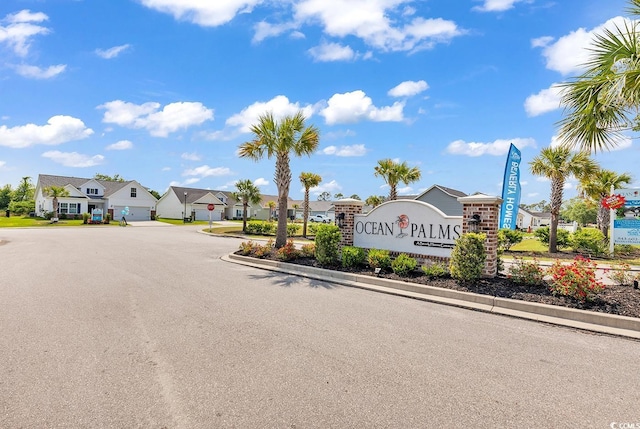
point(64, 208)
point(134, 191)
point(92, 191)
point(69, 208)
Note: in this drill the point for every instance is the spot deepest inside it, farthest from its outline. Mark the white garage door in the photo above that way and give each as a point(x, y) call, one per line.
point(135, 213)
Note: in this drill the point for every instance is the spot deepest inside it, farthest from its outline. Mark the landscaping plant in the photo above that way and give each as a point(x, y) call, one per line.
point(590, 241)
point(327, 240)
point(353, 257)
point(378, 258)
point(468, 257)
point(287, 252)
point(507, 238)
point(308, 250)
point(526, 272)
point(403, 265)
point(576, 280)
point(562, 239)
point(435, 270)
point(621, 274)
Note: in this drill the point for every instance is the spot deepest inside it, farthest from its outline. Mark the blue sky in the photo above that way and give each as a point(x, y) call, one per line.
point(163, 91)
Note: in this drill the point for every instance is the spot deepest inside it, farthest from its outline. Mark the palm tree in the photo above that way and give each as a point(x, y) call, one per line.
point(55, 192)
point(374, 200)
point(598, 186)
point(308, 180)
point(558, 164)
point(393, 173)
point(603, 101)
point(278, 140)
point(272, 205)
point(247, 193)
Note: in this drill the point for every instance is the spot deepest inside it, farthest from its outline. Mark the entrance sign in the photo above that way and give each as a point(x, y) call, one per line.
point(511, 190)
point(407, 226)
point(626, 228)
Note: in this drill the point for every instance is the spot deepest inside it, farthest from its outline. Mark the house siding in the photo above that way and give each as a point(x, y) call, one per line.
point(448, 204)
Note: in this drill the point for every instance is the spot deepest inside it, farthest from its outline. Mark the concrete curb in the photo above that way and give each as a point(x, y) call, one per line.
point(563, 316)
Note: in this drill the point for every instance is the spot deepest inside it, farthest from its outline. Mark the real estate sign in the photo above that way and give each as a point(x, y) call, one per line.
point(511, 189)
point(626, 229)
point(407, 226)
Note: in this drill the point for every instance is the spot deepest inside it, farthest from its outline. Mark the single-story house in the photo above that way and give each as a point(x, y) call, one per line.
point(194, 202)
point(318, 208)
point(85, 195)
point(445, 199)
point(528, 219)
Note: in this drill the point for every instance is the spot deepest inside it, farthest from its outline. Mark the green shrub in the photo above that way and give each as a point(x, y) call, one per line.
point(526, 272)
point(327, 240)
point(468, 257)
point(312, 228)
point(562, 236)
point(254, 228)
point(403, 265)
point(85, 218)
point(353, 256)
point(292, 229)
point(22, 208)
point(378, 258)
point(590, 241)
point(435, 270)
point(287, 252)
point(576, 280)
point(107, 218)
point(624, 250)
point(507, 238)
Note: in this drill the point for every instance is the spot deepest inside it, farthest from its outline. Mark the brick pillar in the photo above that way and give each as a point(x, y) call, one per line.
point(488, 209)
point(350, 208)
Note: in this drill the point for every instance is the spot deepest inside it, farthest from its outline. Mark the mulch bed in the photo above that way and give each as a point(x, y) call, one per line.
point(620, 300)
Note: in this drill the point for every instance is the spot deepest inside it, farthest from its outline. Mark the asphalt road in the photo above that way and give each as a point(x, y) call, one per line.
point(145, 327)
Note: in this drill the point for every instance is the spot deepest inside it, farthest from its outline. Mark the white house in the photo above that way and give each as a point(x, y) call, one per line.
point(445, 199)
point(528, 220)
point(84, 195)
point(194, 202)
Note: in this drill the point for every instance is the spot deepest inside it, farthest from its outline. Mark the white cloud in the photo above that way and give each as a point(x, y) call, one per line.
point(159, 123)
point(206, 171)
point(20, 30)
point(2, 164)
point(532, 194)
point(545, 101)
point(191, 156)
point(121, 145)
point(541, 42)
point(496, 5)
point(73, 159)
point(187, 182)
point(330, 187)
point(354, 150)
point(327, 52)
point(261, 181)
point(569, 53)
point(35, 72)
point(279, 106)
point(264, 30)
point(381, 24)
point(110, 53)
point(496, 148)
point(356, 106)
point(407, 190)
point(408, 88)
point(204, 13)
point(59, 129)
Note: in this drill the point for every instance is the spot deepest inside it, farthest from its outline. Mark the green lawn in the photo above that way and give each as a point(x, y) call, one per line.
point(25, 222)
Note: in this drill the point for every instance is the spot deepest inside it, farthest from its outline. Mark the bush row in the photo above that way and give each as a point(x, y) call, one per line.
point(271, 228)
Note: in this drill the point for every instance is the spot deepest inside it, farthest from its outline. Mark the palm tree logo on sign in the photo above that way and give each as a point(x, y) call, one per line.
point(403, 222)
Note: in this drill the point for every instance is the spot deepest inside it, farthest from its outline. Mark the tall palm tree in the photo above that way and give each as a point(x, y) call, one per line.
point(308, 180)
point(558, 164)
point(247, 193)
point(394, 172)
point(597, 186)
point(374, 200)
point(603, 102)
point(278, 140)
point(55, 192)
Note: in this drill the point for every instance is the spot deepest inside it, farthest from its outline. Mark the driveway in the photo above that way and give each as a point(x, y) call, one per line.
point(147, 327)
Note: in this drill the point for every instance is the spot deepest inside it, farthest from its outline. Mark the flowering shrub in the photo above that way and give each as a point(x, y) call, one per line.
point(246, 247)
point(287, 252)
point(621, 274)
point(577, 280)
point(526, 272)
point(262, 251)
point(308, 250)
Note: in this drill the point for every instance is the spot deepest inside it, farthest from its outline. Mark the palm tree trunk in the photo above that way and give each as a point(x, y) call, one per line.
point(244, 217)
point(283, 180)
point(604, 217)
point(306, 212)
point(557, 187)
point(393, 193)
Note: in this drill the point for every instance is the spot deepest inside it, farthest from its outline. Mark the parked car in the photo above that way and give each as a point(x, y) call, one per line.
point(319, 218)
